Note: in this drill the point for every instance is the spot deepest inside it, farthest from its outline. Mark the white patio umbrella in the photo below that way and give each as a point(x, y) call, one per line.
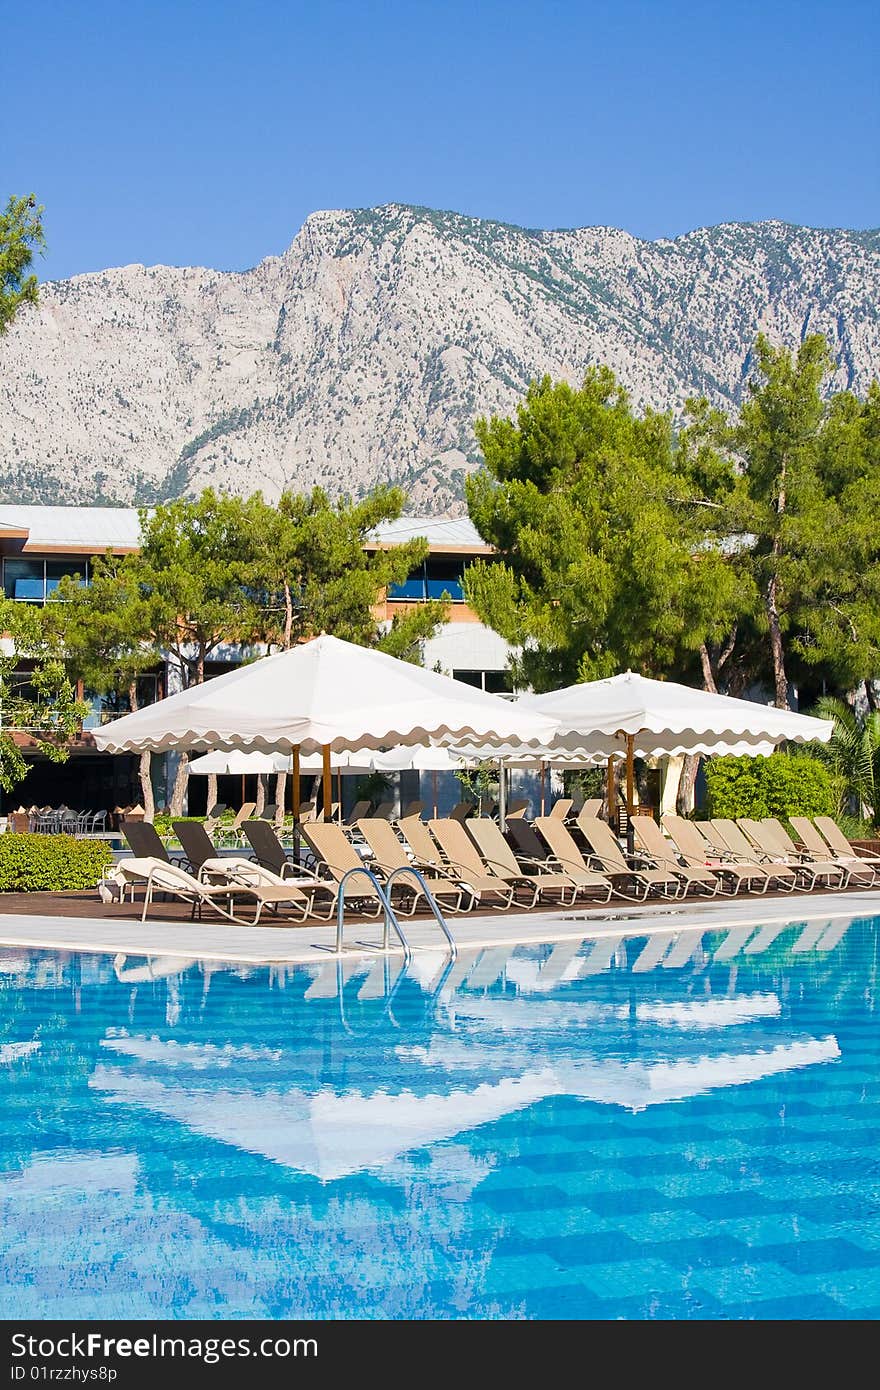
point(649, 718)
point(324, 695)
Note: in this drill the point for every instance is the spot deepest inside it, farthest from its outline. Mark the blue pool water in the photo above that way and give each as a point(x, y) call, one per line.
point(682, 1127)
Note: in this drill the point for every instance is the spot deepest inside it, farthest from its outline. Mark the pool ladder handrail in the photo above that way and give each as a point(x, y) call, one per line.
point(430, 899)
point(384, 899)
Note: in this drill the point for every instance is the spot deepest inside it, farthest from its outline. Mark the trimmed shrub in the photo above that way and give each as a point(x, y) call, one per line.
point(782, 785)
point(50, 863)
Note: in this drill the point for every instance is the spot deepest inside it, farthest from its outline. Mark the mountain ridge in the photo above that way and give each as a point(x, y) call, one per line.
point(364, 351)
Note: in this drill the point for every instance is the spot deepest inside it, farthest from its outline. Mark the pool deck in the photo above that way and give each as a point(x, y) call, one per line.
point(310, 943)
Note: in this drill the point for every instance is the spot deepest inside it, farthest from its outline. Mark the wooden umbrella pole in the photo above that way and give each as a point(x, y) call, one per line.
point(328, 783)
point(294, 778)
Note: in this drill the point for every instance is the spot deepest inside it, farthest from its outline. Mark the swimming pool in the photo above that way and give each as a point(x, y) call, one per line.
point(675, 1126)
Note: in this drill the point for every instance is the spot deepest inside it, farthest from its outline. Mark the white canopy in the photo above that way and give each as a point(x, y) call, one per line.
point(666, 718)
point(324, 692)
point(235, 762)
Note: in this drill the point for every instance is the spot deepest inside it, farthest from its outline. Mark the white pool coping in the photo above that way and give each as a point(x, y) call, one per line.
point(311, 943)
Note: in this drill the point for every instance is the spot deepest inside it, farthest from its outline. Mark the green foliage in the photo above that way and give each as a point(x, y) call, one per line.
point(804, 506)
point(312, 573)
point(608, 537)
point(781, 785)
point(21, 233)
point(36, 694)
point(50, 863)
point(479, 782)
point(106, 626)
point(853, 754)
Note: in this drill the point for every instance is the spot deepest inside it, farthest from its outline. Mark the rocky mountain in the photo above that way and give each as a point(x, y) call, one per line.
point(364, 353)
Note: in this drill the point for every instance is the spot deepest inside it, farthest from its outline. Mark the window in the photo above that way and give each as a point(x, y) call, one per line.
point(436, 577)
point(24, 580)
point(35, 581)
point(496, 682)
point(56, 570)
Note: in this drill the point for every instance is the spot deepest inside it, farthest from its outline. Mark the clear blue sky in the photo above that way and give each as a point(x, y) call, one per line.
point(204, 133)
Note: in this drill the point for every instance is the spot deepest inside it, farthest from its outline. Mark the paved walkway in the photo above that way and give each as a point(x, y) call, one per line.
point(311, 943)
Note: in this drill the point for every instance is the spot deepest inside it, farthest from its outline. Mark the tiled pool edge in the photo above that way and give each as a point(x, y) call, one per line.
point(312, 944)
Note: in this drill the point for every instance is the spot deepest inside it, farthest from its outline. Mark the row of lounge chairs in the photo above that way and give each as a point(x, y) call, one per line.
point(473, 865)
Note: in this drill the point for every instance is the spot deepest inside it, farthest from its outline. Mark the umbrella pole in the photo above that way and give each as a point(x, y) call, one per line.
point(294, 777)
point(543, 780)
point(630, 779)
point(328, 783)
point(502, 796)
point(242, 789)
point(339, 792)
point(612, 796)
point(434, 791)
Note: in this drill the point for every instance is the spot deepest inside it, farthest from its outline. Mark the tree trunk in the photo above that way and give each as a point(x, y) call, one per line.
point(212, 791)
point(871, 693)
point(706, 663)
point(147, 799)
point(261, 794)
point(280, 793)
point(684, 801)
point(287, 636)
point(181, 777)
point(776, 648)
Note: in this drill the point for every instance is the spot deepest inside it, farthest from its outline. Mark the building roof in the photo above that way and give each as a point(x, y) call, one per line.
point(456, 533)
point(92, 530)
point(83, 530)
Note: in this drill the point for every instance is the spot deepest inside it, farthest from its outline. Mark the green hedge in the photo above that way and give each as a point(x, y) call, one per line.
point(782, 785)
point(50, 863)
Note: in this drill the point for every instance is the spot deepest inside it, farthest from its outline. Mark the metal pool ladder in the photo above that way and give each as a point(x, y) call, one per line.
point(383, 893)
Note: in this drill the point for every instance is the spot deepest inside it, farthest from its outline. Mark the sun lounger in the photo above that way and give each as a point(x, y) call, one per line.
point(527, 844)
point(862, 871)
point(145, 842)
point(610, 858)
point(696, 852)
point(787, 876)
point(500, 859)
point(465, 861)
point(771, 840)
point(357, 812)
point(651, 839)
point(338, 856)
point(561, 807)
point(228, 899)
point(269, 850)
point(838, 843)
point(719, 845)
point(568, 858)
point(390, 856)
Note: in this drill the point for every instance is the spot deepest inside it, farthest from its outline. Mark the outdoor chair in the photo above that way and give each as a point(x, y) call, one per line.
point(269, 851)
point(538, 880)
point(527, 844)
point(145, 842)
point(228, 899)
point(697, 852)
point(233, 832)
point(610, 859)
point(412, 808)
point(465, 861)
point(390, 856)
point(771, 839)
point(338, 856)
point(725, 832)
point(837, 841)
point(461, 810)
point(426, 853)
point(357, 812)
point(517, 809)
point(384, 811)
point(589, 811)
point(652, 840)
point(561, 807)
point(856, 860)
